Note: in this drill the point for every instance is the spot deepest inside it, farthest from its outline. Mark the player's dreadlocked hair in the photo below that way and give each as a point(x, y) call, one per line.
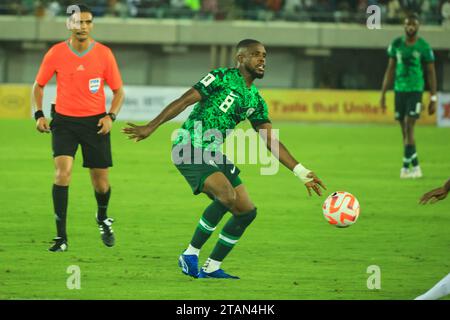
point(246, 42)
point(412, 16)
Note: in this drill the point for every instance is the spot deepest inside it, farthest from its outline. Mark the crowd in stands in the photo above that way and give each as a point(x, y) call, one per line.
point(392, 11)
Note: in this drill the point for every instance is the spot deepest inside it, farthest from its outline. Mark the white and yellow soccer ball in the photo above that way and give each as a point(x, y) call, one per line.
point(341, 209)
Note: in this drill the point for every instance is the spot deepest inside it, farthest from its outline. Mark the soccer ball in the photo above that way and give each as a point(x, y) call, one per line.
point(341, 209)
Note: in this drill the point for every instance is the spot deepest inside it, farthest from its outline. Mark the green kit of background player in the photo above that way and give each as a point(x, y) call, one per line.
point(407, 54)
point(223, 98)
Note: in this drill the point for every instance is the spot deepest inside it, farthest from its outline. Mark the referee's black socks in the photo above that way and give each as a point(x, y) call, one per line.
point(60, 198)
point(102, 203)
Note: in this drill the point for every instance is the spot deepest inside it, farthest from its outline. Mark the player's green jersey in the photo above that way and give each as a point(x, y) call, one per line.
point(409, 59)
point(226, 101)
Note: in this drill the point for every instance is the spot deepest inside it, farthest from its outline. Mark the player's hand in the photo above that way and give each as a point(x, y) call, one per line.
point(105, 125)
point(137, 133)
point(315, 184)
point(42, 125)
point(432, 107)
point(434, 195)
point(383, 103)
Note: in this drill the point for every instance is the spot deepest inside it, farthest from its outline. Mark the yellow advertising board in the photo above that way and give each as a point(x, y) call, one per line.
point(345, 106)
point(15, 101)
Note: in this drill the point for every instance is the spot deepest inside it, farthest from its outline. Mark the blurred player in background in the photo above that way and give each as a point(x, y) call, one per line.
point(406, 56)
point(442, 288)
point(223, 98)
point(82, 66)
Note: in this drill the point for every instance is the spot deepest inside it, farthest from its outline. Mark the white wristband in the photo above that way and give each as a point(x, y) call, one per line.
point(433, 98)
point(301, 172)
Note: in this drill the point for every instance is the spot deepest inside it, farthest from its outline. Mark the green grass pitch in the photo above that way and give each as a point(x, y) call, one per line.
point(289, 252)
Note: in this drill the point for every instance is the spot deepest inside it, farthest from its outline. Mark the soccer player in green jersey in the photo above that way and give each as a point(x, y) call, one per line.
point(223, 98)
point(407, 54)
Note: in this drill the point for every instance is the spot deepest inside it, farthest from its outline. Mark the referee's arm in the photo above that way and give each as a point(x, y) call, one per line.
point(36, 102)
point(116, 103)
point(105, 123)
point(114, 80)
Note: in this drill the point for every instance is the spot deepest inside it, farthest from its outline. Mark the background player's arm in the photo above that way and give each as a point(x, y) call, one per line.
point(387, 82)
point(171, 111)
point(37, 95)
point(436, 194)
point(283, 155)
point(431, 76)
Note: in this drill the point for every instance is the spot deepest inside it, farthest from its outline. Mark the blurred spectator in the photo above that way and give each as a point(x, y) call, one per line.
point(194, 5)
point(257, 9)
point(39, 9)
point(132, 7)
point(292, 9)
point(445, 11)
point(225, 9)
point(412, 5)
point(210, 8)
point(321, 11)
point(393, 13)
point(116, 8)
point(342, 12)
point(53, 8)
point(274, 5)
point(273, 9)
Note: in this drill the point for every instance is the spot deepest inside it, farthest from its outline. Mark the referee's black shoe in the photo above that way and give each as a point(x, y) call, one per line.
point(60, 245)
point(106, 231)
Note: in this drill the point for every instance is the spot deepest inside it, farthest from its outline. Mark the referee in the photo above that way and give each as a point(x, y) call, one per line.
point(82, 66)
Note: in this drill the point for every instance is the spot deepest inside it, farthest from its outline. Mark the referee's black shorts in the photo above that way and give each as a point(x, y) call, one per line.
point(69, 132)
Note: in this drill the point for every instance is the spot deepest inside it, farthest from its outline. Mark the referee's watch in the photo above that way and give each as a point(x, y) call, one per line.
point(112, 116)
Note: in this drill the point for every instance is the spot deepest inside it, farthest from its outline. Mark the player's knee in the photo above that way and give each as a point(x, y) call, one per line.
point(62, 176)
point(101, 185)
point(247, 218)
point(228, 198)
point(102, 188)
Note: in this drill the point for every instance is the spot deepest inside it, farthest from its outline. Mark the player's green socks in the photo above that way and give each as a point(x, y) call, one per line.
point(207, 224)
point(60, 198)
point(231, 233)
point(414, 158)
point(407, 155)
point(102, 204)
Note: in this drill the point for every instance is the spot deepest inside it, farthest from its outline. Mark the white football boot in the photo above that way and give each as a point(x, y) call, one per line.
point(416, 172)
point(405, 173)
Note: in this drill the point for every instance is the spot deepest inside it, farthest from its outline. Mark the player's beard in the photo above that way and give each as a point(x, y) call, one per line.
point(253, 73)
point(411, 34)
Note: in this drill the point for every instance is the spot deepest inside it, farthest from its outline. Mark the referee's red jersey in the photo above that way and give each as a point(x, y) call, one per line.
point(80, 77)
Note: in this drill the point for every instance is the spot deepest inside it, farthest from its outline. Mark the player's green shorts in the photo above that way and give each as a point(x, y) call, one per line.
point(408, 104)
point(196, 167)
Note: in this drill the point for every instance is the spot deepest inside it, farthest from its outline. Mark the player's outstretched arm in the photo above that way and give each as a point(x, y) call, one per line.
point(309, 178)
point(177, 106)
point(436, 194)
point(387, 82)
point(431, 76)
point(36, 102)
